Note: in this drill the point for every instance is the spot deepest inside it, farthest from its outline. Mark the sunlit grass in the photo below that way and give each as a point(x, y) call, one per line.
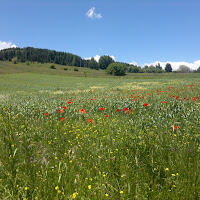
point(94, 142)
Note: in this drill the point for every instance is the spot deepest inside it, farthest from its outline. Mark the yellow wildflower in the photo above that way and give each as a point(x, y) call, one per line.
point(89, 187)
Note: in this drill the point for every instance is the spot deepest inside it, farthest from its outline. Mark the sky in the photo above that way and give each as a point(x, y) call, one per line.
point(132, 31)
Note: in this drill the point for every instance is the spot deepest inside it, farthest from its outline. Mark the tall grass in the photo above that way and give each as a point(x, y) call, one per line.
point(125, 143)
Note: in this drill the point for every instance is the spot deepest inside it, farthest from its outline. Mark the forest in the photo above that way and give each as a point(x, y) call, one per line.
point(32, 55)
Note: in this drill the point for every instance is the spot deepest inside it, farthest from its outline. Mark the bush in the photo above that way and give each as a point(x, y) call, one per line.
point(134, 69)
point(52, 67)
point(76, 70)
point(117, 69)
point(65, 69)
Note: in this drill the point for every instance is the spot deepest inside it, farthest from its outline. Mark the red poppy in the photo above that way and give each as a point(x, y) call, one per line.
point(146, 104)
point(164, 102)
point(131, 111)
point(194, 98)
point(82, 110)
point(89, 120)
point(101, 109)
point(47, 114)
point(69, 102)
point(60, 111)
point(64, 107)
point(106, 115)
point(176, 127)
point(118, 110)
point(125, 109)
point(62, 119)
point(91, 99)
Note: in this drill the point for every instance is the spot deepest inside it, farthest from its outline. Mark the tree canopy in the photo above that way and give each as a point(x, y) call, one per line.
point(93, 64)
point(184, 69)
point(42, 56)
point(104, 61)
point(168, 67)
point(118, 69)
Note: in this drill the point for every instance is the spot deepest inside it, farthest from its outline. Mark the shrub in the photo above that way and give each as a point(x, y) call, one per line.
point(14, 60)
point(52, 67)
point(117, 69)
point(134, 69)
point(76, 69)
point(65, 68)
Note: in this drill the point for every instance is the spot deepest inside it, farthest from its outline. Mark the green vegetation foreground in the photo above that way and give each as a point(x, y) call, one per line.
point(86, 138)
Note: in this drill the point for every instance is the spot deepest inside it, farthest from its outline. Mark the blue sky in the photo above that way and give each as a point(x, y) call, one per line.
point(141, 31)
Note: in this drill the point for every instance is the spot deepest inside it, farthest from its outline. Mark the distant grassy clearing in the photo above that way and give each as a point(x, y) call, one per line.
point(61, 84)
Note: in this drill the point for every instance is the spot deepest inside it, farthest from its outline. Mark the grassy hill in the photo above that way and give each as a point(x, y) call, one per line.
point(8, 67)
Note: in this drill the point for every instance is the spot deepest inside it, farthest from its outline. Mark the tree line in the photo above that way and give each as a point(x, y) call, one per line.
point(32, 55)
point(50, 56)
point(41, 56)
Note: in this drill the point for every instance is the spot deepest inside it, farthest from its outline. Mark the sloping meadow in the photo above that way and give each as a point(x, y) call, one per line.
point(123, 142)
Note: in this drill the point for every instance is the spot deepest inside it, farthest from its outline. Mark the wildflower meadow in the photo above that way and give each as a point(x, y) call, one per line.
point(103, 139)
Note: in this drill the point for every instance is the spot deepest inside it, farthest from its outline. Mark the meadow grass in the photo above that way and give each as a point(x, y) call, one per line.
point(68, 137)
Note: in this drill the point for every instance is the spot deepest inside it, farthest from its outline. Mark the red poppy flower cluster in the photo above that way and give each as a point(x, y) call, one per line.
point(176, 127)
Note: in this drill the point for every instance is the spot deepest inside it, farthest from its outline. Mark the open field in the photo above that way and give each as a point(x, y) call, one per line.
point(133, 137)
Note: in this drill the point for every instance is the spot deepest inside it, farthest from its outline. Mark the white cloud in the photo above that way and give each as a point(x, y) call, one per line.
point(97, 57)
point(133, 63)
point(175, 65)
point(113, 57)
point(89, 58)
point(6, 45)
point(91, 14)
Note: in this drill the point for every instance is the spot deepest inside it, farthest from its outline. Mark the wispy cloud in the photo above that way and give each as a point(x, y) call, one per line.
point(6, 45)
point(91, 14)
point(175, 65)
